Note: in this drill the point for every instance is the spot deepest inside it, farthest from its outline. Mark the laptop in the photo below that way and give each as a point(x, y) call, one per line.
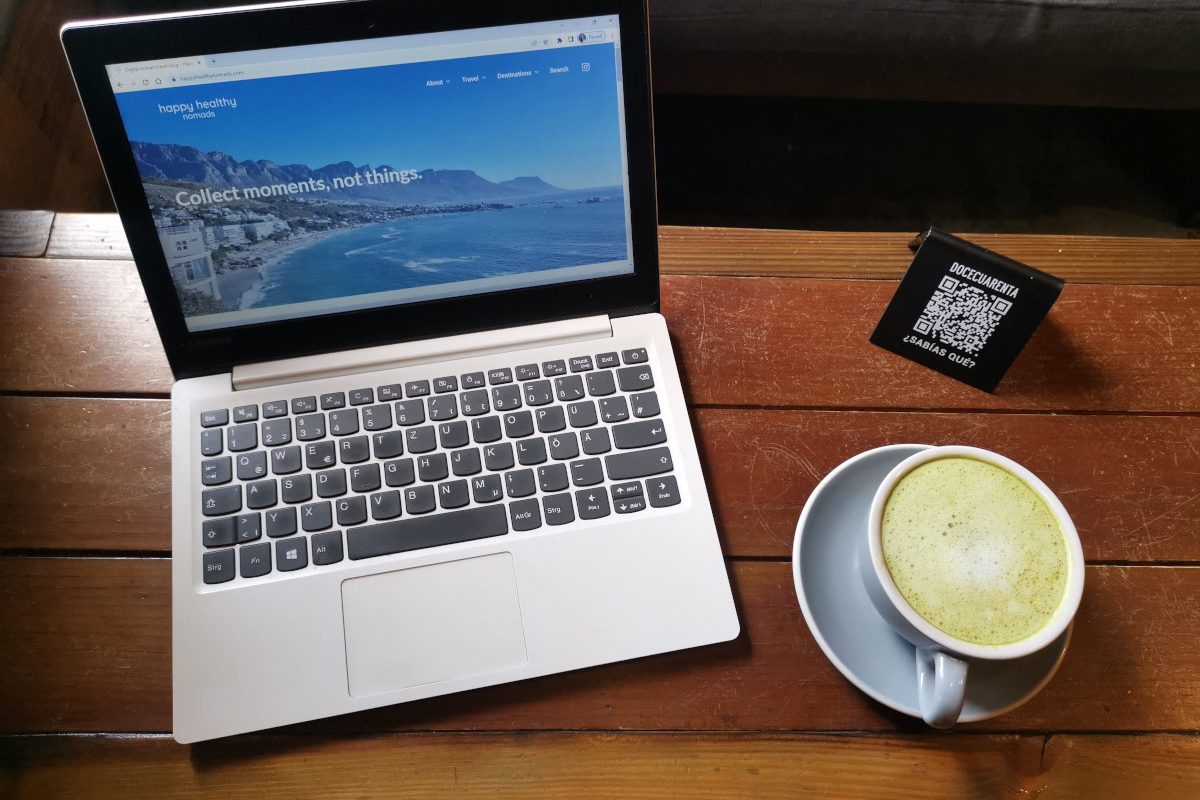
point(428, 433)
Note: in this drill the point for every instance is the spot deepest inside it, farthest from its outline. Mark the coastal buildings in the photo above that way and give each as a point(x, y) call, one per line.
point(189, 259)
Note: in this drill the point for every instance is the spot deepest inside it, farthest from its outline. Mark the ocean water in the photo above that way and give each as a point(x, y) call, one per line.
point(559, 231)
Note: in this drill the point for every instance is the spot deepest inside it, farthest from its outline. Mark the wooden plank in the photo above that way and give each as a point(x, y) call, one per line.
point(608, 765)
point(810, 254)
point(84, 646)
point(831, 254)
point(1128, 481)
point(24, 233)
point(84, 327)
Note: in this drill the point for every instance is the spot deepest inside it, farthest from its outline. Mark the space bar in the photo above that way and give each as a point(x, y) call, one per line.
point(416, 533)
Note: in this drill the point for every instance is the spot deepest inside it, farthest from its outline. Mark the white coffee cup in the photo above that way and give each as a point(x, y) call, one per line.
point(942, 660)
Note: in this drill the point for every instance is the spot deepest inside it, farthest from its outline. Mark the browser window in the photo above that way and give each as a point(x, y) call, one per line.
point(311, 180)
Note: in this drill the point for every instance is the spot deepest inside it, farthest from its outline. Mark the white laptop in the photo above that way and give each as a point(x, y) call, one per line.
point(428, 433)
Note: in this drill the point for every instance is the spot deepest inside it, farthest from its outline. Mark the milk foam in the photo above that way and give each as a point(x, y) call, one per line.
point(974, 550)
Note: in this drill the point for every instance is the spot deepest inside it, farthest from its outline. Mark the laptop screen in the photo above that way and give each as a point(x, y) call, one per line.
point(301, 181)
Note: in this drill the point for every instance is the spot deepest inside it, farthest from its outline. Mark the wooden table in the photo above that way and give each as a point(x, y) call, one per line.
point(771, 329)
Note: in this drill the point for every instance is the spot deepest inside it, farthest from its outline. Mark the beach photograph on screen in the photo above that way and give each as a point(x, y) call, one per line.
point(322, 192)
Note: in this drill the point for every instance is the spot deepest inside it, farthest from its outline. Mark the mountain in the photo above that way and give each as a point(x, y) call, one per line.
point(218, 170)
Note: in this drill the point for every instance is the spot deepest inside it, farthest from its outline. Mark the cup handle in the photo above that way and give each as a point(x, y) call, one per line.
point(941, 686)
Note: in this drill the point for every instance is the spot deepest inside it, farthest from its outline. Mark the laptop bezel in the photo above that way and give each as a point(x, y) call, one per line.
point(93, 45)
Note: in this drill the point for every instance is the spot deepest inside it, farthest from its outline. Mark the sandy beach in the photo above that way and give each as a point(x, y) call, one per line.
point(249, 269)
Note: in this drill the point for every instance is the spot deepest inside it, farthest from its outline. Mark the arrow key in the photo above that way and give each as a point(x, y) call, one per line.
point(663, 491)
point(630, 505)
point(592, 503)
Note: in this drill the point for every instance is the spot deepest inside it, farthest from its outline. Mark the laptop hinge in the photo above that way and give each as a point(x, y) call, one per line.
point(427, 351)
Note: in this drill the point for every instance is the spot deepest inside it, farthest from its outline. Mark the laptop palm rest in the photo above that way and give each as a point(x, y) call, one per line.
point(434, 623)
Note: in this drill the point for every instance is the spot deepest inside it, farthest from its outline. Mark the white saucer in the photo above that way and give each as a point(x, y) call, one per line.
point(845, 624)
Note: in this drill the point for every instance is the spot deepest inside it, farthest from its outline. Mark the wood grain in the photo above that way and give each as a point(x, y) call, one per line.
point(94, 474)
point(84, 646)
point(24, 233)
point(84, 327)
point(808, 254)
point(831, 254)
point(608, 765)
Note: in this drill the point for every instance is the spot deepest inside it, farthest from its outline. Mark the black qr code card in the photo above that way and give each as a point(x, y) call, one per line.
point(964, 310)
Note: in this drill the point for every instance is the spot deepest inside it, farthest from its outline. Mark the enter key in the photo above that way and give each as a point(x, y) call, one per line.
point(639, 434)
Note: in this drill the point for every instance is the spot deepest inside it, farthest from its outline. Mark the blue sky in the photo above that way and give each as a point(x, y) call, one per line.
point(560, 127)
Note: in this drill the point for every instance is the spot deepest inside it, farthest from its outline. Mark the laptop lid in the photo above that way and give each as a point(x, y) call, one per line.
point(312, 177)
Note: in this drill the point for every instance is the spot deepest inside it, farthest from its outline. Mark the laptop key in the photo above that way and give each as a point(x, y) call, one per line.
point(582, 415)
point(621, 491)
point(344, 422)
point(416, 388)
point(218, 532)
point(261, 494)
point(410, 412)
point(399, 472)
point(473, 380)
point(531, 451)
point(443, 407)
point(351, 511)
point(280, 522)
point(421, 440)
point(327, 548)
point(377, 418)
point(601, 384)
point(587, 472)
point(526, 515)
point(506, 398)
point(475, 402)
point(592, 503)
point(418, 500)
point(316, 516)
point(291, 554)
point(499, 376)
point(360, 397)
point(453, 494)
point(274, 408)
point(639, 434)
point(446, 384)
point(304, 405)
point(629, 505)
point(595, 441)
point(256, 559)
point(485, 429)
point(552, 477)
point(551, 419)
point(519, 483)
point(528, 372)
point(387, 445)
point(221, 501)
point(354, 449)
point(333, 401)
point(564, 446)
point(218, 566)
point(552, 368)
point(487, 488)
point(432, 467)
point(218, 416)
point(245, 413)
point(364, 478)
point(614, 409)
point(663, 491)
point(211, 442)
point(242, 437)
point(276, 431)
point(635, 379)
point(285, 460)
point(638, 463)
point(402, 535)
point(498, 457)
point(320, 455)
point(557, 508)
point(605, 360)
point(251, 466)
point(310, 426)
point(331, 482)
point(539, 393)
point(296, 489)
point(385, 505)
point(249, 527)
point(216, 471)
point(518, 424)
point(569, 387)
point(465, 461)
point(393, 391)
point(635, 356)
point(645, 404)
point(580, 363)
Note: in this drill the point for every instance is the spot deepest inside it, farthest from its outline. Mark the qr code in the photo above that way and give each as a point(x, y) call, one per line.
point(962, 316)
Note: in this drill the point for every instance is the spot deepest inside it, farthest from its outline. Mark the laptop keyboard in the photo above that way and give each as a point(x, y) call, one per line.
point(307, 482)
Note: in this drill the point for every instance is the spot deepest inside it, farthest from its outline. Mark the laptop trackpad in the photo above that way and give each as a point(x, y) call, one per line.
point(430, 624)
